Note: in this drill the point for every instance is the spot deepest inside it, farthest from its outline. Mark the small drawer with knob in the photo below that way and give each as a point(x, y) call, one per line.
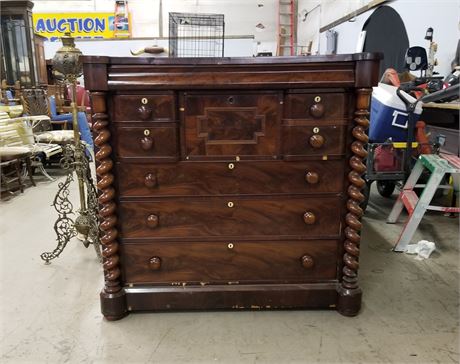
point(153, 143)
point(237, 262)
point(232, 217)
point(144, 108)
point(224, 178)
point(312, 140)
point(316, 106)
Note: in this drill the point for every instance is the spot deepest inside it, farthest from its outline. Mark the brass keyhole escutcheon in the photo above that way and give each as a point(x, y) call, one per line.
point(144, 101)
point(146, 132)
point(237, 158)
point(317, 98)
point(230, 245)
point(231, 166)
point(316, 130)
point(230, 204)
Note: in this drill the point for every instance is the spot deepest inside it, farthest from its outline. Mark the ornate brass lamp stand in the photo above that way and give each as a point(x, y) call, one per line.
point(68, 66)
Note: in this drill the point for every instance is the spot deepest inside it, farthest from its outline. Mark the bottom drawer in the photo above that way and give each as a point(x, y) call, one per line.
point(229, 263)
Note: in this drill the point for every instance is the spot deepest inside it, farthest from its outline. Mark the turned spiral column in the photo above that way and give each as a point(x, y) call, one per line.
point(112, 296)
point(349, 291)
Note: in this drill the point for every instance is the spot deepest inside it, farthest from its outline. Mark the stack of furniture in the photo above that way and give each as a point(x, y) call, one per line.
point(16, 137)
point(230, 184)
point(12, 155)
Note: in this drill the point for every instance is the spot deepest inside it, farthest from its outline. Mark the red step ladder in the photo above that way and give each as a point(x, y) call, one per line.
point(286, 28)
point(416, 207)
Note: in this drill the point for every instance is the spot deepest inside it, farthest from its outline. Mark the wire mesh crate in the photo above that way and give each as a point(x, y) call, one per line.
point(196, 35)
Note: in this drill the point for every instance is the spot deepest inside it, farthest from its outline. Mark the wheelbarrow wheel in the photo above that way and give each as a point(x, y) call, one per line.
point(386, 188)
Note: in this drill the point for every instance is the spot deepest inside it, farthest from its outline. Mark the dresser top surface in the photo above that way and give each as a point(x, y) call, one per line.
point(233, 60)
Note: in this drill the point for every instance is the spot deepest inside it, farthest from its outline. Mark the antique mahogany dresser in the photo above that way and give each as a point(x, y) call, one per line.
point(230, 183)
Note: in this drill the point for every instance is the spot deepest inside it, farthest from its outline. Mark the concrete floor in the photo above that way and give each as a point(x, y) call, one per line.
point(50, 314)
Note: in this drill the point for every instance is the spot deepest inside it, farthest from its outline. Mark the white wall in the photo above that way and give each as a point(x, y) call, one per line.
point(442, 15)
point(235, 47)
point(241, 16)
point(321, 13)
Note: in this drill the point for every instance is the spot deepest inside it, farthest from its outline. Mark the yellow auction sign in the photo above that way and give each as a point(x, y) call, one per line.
point(81, 25)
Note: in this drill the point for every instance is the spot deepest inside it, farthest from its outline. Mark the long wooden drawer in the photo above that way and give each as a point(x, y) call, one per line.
point(231, 124)
point(191, 218)
point(304, 139)
point(316, 106)
point(229, 262)
point(226, 178)
point(144, 107)
point(149, 142)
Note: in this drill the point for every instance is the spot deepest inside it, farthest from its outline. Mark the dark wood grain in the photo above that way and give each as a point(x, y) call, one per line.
point(231, 183)
point(245, 262)
point(228, 178)
point(144, 107)
point(112, 296)
point(231, 217)
point(316, 106)
point(231, 124)
point(155, 143)
point(350, 293)
point(232, 297)
point(309, 141)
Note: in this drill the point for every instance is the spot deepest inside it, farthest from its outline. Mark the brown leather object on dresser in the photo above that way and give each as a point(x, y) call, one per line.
point(230, 183)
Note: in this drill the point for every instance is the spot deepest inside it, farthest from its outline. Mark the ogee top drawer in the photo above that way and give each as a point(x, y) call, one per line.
point(147, 107)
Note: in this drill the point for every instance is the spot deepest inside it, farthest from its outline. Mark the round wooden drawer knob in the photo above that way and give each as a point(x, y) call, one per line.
point(309, 218)
point(150, 180)
point(152, 221)
point(146, 143)
point(317, 110)
point(316, 141)
point(154, 263)
point(307, 261)
point(145, 112)
point(312, 178)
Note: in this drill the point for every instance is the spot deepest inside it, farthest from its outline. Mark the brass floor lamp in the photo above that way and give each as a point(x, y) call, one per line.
point(67, 66)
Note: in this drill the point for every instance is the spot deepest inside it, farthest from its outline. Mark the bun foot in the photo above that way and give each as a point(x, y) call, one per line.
point(113, 305)
point(349, 301)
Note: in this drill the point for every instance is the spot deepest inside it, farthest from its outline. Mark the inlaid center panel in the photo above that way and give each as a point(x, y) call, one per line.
point(230, 124)
point(233, 125)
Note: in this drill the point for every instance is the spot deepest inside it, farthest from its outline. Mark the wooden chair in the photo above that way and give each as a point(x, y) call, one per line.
point(13, 97)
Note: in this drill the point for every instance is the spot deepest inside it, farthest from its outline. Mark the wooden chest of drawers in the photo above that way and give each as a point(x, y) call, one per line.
point(230, 183)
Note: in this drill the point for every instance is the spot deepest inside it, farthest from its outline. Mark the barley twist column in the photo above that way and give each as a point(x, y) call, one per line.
point(113, 296)
point(349, 302)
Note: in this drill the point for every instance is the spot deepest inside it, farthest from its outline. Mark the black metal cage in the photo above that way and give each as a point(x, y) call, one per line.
point(196, 35)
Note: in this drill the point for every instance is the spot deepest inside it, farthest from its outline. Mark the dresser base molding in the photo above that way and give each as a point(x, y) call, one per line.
point(236, 297)
point(239, 297)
